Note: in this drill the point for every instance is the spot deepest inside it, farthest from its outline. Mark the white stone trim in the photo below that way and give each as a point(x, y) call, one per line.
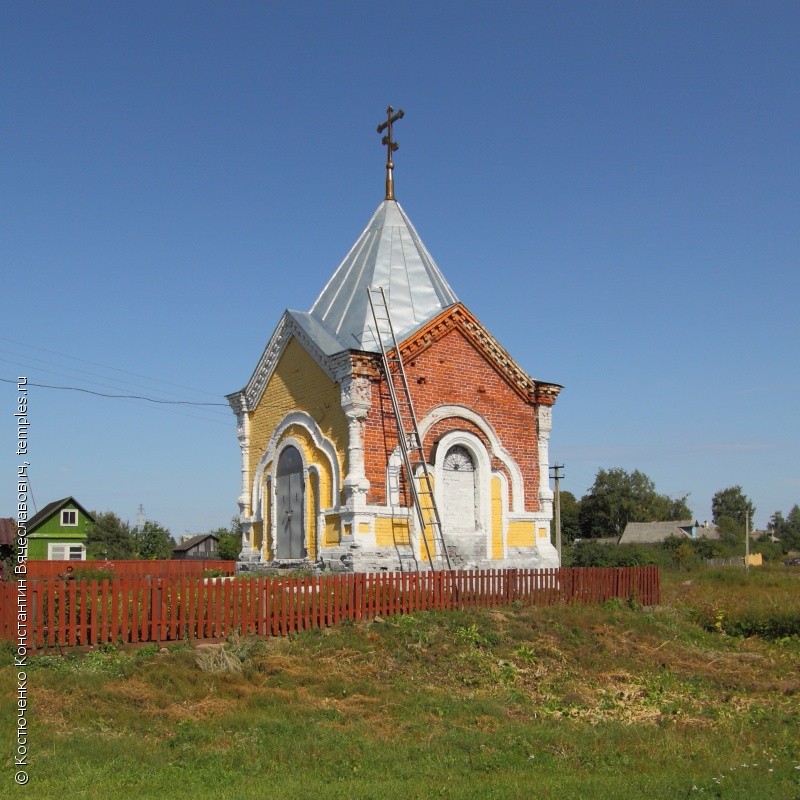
point(394, 469)
point(275, 444)
point(483, 466)
point(544, 418)
point(289, 441)
point(248, 552)
point(356, 399)
point(505, 516)
point(498, 451)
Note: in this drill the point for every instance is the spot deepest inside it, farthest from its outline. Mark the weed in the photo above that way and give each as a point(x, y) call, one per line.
point(507, 672)
point(525, 652)
point(231, 656)
point(472, 635)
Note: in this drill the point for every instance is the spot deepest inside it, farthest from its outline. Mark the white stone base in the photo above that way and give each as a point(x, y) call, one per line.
point(466, 551)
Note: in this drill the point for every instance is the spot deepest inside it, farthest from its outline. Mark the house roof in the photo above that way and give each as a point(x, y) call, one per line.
point(388, 254)
point(194, 540)
point(8, 530)
point(51, 508)
point(709, 530)
point(652, 532)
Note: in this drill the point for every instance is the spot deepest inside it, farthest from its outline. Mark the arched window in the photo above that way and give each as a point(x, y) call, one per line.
point(459, 492)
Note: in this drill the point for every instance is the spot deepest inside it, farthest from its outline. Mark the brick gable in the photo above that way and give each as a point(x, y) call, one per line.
point(452, 361)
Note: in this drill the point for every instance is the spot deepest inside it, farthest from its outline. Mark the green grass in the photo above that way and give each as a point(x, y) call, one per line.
point(567, 702)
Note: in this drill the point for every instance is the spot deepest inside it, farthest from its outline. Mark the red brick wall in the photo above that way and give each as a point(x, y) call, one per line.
point(451, 372)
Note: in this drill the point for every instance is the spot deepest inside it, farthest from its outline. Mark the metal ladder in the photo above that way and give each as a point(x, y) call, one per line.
point(408, 432)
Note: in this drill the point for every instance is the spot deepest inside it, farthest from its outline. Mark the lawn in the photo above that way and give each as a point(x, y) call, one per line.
point(611, 701)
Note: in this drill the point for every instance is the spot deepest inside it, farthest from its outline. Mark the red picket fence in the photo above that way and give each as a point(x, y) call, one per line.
point(129, 610)
point(167, 568)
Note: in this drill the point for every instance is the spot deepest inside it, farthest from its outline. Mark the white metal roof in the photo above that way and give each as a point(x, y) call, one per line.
point(389, 253)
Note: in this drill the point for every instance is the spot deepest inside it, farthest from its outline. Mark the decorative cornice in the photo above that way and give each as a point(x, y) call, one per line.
point(355, 396)
point(236, 402)
point(547, 393)
point(458, 317)
point(365, 365)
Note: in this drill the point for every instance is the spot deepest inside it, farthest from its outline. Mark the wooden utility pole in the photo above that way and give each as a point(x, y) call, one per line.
point(747, 542)
point(556, 477)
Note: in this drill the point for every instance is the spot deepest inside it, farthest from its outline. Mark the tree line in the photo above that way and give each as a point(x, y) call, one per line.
point(109, 537)
point(618, 497)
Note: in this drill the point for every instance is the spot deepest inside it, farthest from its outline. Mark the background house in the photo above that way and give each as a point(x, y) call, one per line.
point(58, 532)
point(8, 532)
point(655, 532)
point(203, 545)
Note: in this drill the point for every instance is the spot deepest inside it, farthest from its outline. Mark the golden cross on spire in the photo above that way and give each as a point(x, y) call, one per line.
point(391, 146)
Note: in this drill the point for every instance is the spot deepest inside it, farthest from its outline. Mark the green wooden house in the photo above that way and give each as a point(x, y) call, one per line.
point(58, 532)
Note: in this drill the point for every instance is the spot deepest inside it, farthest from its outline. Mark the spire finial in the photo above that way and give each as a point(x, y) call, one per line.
point(391, 146)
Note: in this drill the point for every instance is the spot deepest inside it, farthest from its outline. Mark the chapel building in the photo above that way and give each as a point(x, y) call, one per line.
point(323, 477)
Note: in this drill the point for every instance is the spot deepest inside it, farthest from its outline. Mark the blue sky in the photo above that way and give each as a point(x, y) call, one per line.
point(612, 188)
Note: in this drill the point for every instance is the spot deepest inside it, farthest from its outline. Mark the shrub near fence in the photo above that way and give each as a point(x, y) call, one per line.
point(165, 568)
point(69, 613)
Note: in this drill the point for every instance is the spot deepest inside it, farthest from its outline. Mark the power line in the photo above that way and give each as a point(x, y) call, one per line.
point(117, 396)
point(70, 373)
point(96, 383)
point(105, 366)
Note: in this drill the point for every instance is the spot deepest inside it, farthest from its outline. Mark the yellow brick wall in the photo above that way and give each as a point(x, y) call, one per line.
point(332, 526)
point(520, 534)
point(497, 518)
point(258, 537)
point(299, 384)
point(428, 536)
point(391, 531)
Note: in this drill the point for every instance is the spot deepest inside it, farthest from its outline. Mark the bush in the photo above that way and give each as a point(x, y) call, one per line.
point(588, 553)
point(676, 552)
point(770, 551)
point(761, 619)
point(728, 600)
point(230, 544)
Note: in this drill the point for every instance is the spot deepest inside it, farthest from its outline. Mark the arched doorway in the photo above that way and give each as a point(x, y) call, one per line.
point(460, 511)
point(290, 539)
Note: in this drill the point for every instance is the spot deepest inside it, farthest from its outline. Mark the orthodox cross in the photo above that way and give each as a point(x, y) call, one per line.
point(391, 146)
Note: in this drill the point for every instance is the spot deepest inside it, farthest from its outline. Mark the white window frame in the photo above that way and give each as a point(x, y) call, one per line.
point(64, 513)
point(66, 551)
